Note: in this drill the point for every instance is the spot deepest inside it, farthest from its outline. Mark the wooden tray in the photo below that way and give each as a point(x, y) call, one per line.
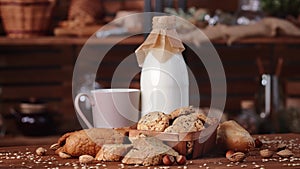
point(202, 141)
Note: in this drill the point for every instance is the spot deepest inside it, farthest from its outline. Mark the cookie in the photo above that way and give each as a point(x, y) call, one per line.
point(182, 111)
point(113, 152)
point(154, 121)
point(186, 123)
point(201, 116)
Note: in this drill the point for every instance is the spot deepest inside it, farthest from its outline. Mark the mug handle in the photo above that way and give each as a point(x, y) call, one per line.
point(77, 108)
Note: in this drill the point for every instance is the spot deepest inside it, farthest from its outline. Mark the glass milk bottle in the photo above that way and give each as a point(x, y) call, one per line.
point(164, 78)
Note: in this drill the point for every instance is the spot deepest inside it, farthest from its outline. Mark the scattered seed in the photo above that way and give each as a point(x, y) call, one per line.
point(121, 165)
point(243, 165)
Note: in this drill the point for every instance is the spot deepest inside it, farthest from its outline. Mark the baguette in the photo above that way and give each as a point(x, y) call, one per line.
point(88, 141)
point(232, 136)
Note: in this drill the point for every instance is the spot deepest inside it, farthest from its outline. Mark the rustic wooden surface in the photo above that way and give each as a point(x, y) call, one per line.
point(25, 157)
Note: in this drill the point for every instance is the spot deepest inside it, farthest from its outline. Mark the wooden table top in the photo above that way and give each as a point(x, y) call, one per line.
point(25, 157)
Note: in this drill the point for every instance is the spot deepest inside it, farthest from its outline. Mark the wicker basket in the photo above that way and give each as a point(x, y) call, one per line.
point(91, 8)
point(26, 18)
point(201, 142)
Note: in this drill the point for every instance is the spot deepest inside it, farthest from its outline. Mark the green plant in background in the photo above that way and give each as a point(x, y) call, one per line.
point(281, 8)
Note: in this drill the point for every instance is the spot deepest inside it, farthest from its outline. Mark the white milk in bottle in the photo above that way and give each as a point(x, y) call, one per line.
point(164, 78)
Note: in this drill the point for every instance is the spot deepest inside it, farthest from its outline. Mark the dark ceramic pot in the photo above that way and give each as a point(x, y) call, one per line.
point(33, 119)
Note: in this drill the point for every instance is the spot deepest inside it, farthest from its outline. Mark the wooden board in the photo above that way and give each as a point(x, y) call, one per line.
point(212, 160)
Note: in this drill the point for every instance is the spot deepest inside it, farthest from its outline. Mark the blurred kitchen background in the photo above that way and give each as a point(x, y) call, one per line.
point(41, 39)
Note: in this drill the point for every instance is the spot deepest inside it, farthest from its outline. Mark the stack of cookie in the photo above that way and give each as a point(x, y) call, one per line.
point(186, 122)
point(186, 119)
point(158, 138)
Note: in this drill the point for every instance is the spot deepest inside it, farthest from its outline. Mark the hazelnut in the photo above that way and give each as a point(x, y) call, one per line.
point(229, 153)
point(258, 143)
point(85, 159)
point(168, 160)
point(180, 160)
point(41, 151)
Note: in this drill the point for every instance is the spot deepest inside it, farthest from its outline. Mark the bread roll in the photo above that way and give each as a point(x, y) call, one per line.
point(232, 136)
point(88, 141)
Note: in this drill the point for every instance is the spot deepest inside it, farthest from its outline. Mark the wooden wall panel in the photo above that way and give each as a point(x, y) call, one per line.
point(293, 88)
point(33, 76)
point(46, 71)
point(291, 61)
point(43, 72)
point(25, 75)
point(241, 71)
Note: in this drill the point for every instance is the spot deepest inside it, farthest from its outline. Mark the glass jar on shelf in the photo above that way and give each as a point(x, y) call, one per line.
point(248, 117)
point(249, 12)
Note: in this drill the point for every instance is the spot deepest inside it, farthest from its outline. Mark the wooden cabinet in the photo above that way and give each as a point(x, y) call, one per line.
point(42, 72)
point(43, 68)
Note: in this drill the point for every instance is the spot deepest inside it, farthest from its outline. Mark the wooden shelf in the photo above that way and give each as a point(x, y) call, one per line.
point(264, 40)
point(134, 40)
point(52, 40)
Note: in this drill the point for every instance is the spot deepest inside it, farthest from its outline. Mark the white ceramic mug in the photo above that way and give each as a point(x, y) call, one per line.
point(111, 108)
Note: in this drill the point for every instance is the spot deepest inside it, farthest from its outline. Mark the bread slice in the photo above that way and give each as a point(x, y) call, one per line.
point(113, 152)
point(148, 151)
point(185, 123)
